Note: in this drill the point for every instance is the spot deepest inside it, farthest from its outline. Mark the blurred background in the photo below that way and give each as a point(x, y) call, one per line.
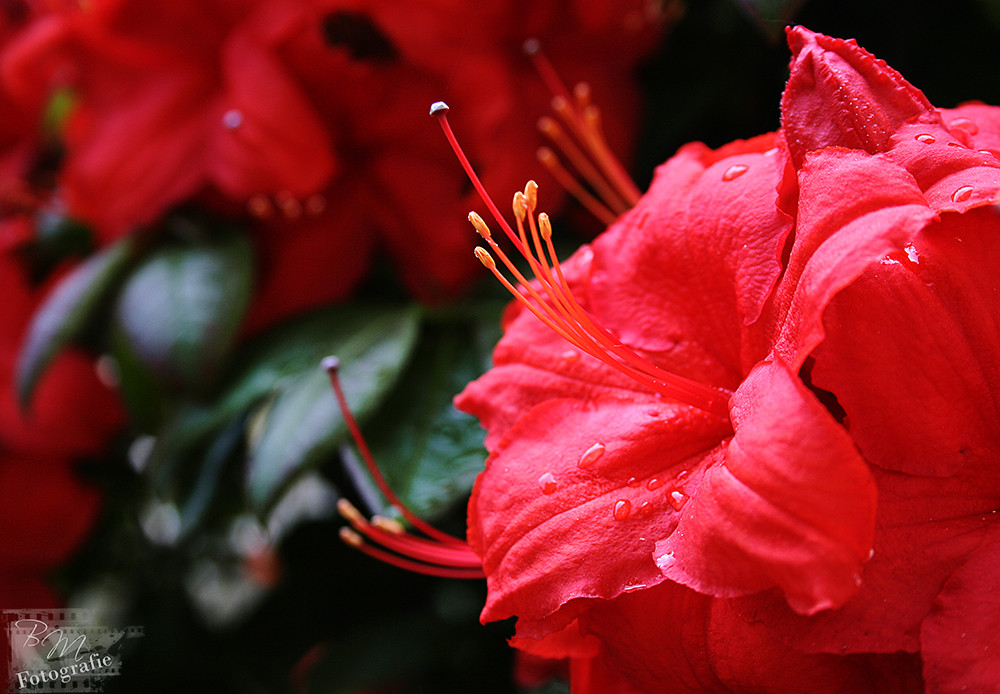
point(189, 487)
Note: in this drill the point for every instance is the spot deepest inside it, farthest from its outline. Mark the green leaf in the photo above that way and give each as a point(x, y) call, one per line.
point(302, 424)
point(430, 452)
point(67, 312)
point(181, 309)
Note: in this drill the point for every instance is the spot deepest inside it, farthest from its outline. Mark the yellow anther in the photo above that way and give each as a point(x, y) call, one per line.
point(480, 225)
point(531, 194)
point(485, 258)
point(544, 226)
point(349, 512)
point(520, 206)
point(390, 525)
point(350, 537)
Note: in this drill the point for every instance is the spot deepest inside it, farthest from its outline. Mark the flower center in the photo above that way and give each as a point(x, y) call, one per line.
point(550, 299)
point(438, 554)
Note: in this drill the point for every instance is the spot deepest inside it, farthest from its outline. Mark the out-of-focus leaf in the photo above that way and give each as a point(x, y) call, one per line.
point(430, 452)
point(181, 309)
point(67, 311)
point(302, 424)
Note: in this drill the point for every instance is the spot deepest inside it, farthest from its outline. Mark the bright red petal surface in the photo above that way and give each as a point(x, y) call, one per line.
point(789, 502)
point(837, 236)
point(913, 350)
point(550, 531)
point(840, 95)
point(682, 274)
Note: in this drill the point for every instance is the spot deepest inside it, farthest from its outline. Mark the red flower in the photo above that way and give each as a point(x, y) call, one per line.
point(794, 363)
point(310, 115)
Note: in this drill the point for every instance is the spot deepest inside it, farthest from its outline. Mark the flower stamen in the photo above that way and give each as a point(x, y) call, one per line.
point(581, 140)
point(385, 539)
point(551, 300)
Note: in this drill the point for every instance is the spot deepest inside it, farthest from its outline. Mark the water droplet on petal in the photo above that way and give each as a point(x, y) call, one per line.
point(925, 138)
point(911, 253)
point(232, 119)
point(548, 483)
point(644, 507)
point(683, 474)
point(634, 584)
point(678, 499)
point(964, 124)
point(771, 152)
point(653, 412)
point(623, 507)
point(956, 144)
point(734, 171)
point(591, 455)
point(665, 560)
point(962, 194)
point(571, 356)
point(871, 553)
point(654, 483)
point(634, 482)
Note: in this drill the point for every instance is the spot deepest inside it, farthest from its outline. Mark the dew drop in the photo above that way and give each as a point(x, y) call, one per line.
point(771, 152)
point(955, 144)
point(962, 194)
point(623, 507)
point(653, 412)
point(634, 584)
point(683, 475)
point(634, 482)
point(547, 482)
point(964, 124)
point(591, 455)
point(678, 499)
point(232, 119)
point(912, 254)
point(734, 171)
point(644, 507)
point(871, 553)
point(654, 483)
point(925, 138)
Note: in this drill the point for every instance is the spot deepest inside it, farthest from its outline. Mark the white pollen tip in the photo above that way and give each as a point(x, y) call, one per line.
point(438, 108)
point(330, 363)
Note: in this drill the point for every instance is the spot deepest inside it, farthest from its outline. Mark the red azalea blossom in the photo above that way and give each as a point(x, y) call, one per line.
point(308, 116)
point(771, 465)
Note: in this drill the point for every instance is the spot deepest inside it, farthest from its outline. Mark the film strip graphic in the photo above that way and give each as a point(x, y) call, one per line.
point(61, 650)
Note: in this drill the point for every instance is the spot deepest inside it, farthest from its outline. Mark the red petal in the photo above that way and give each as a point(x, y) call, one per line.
point(279, 143)
point(912, 350)
point(791, 503)
point(684, 271)
point(550, 531)
point(840, 95)
point(961, 637)
point(837, 236)
point(672, 639)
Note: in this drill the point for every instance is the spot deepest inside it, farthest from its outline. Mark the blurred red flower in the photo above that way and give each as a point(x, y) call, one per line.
point(310, 115)
point(795, 365)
